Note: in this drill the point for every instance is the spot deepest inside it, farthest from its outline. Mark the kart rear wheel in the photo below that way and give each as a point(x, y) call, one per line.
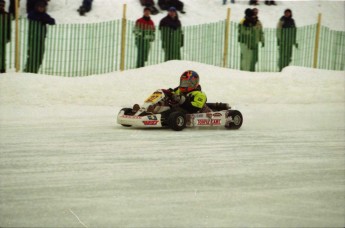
point(177, 121)
point(236, 120)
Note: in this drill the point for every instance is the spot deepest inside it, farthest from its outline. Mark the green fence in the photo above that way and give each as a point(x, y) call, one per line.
point(86, 49)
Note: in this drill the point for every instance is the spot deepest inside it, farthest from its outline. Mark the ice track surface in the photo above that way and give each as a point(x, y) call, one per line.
point(65, 162)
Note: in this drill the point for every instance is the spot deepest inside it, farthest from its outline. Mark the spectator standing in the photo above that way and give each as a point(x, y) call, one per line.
point(38, 20)
point(85, 7)
point(246, 38)
point(286, 37)
point(172, 35)
point(144, 31)
point(30, 4)
point(5, 34)
point(258, 37)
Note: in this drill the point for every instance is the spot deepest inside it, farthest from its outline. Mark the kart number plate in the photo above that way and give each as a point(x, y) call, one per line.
point(154, 97)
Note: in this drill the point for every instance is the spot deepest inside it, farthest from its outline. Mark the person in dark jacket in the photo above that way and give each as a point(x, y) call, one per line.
point(85, 7)
point(172, 35)
point(286, 38)
point(144, 31)
point(5, 34)
point(254, 2)
point(38, 21)
point(167, 4)
point(30, 4)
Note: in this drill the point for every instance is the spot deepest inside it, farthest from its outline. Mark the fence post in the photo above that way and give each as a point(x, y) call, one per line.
point(226, 38)
point(123, 38)
point(317, 40)
point(17, 45)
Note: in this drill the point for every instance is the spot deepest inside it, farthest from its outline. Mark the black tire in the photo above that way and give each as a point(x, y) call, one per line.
point(236, 120)
point(177, 121)
point(127, 111)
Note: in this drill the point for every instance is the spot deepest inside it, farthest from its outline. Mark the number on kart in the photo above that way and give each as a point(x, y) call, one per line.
point(154, 97)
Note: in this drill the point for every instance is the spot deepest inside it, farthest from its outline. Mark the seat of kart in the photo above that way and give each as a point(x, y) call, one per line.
point(218, 106)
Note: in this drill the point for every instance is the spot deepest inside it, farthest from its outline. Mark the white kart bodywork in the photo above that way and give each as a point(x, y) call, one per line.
point(149, 115)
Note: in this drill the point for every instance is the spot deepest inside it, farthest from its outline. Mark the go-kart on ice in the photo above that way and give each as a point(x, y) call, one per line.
point(157, 111)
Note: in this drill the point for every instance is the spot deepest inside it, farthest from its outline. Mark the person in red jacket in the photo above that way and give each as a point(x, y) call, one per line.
point(144, 31)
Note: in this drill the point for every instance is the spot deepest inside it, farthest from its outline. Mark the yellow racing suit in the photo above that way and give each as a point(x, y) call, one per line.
point(193, 101)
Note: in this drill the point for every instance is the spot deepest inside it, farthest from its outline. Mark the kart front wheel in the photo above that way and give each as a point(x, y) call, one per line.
point(235, 119)
point(177, 121)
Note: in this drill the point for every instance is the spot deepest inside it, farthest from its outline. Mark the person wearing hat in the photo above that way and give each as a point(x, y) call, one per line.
point(286, 38)
point(38, 21)
point(177, 4)
point(246, 38)
point(144, 32)
point(31, 4)
point(5, 34)
point(171, 35)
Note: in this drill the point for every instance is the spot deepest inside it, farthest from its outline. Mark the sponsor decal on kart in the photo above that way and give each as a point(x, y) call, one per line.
point(217, 114)
point(211, 122)
point(152, 117)
point(150, 122)
point(131, 117)
point(197, 115)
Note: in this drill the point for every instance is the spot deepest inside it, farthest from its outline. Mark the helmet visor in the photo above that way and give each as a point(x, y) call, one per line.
point(188, 83)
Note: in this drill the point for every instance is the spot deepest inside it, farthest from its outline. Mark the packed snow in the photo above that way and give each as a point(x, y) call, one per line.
point(64, 162)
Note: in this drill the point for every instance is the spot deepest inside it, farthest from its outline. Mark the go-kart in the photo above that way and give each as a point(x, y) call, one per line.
point(157, 111)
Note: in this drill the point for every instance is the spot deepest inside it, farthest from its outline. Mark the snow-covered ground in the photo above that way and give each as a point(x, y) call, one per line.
point(66, 163)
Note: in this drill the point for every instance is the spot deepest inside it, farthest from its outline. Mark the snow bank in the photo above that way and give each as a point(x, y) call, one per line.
point(295, 85)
